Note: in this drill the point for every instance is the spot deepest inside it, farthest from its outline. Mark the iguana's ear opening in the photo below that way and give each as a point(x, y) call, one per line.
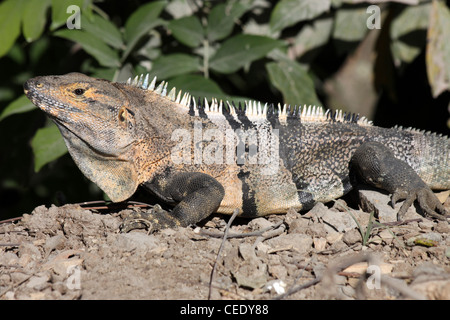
point(116, 177)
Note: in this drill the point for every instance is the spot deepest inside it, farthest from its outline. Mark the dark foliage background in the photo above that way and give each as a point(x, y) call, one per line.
point(313, 52)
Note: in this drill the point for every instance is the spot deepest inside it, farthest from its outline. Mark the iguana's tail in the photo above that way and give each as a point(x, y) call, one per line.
point(433, 154)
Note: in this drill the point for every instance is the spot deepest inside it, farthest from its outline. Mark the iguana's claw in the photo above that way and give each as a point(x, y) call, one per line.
point(426, 199)
point(152, 220)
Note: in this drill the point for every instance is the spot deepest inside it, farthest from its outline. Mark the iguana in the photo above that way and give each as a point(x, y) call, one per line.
point(205, 157)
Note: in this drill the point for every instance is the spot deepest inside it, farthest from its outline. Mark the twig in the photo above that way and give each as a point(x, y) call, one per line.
point(216, 234)
point(235, 213)
point(335, 268)
point(12, 286)
point(396, 223)
point(273, 233)
point(11, 220)
point(9, 244)
point(111, 206)
point(299, 288)
point(294, 289)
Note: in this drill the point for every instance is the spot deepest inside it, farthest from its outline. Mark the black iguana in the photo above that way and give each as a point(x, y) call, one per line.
point(215, 157)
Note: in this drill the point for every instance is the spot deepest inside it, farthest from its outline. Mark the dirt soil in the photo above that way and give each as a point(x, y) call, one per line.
point(331, 252)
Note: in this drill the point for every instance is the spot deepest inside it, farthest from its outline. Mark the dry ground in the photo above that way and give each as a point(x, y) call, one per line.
point(70, 252)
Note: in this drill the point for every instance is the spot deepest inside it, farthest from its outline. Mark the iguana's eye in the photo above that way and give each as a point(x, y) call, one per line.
point(78, 91)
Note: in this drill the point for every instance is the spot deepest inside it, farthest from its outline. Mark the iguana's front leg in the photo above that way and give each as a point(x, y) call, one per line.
point(196, 195)
point(377, 166)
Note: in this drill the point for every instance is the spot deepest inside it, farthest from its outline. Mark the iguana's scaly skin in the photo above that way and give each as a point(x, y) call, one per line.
point(122, 136)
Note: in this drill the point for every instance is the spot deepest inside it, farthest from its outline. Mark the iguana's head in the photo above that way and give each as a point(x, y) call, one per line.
point(97, 122)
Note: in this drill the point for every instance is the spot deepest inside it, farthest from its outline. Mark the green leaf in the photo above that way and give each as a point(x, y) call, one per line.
point(141, 22)
point(175, 64)
point(406, 42)
point(34, 18)
point(289, 12)
point(91, 44)
point(59, 11)
point(438, 49)
point(313, 36)
point(293, 81)
point(350, 24)
point(188, 30)
point(222, 18)
point(197, 86)
point(47, 145)
point(240, 50)
point(97, 25)
point(10, 16)
point(20, 105)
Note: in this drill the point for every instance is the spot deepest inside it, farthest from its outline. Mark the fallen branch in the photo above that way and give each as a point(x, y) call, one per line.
point(270, 234)
point(328, 276)
point(225, 235)
point(90, 205)
point(294, 288)
point(11, 220)
point(218, 234)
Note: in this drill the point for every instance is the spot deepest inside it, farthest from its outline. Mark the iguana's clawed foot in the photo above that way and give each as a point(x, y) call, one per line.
point(152, 220)
point(426, 199)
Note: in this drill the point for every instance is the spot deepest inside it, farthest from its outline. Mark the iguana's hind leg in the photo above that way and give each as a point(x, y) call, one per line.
point(197, 196)
point(377, 166)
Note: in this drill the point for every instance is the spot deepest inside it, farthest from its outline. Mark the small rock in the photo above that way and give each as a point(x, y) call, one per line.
point(247, 252)
point(373, 200)
point(379, 202)
point(341, 221)
point(39, 281)
point(260, 223)
point(261, 246)
point(317, 211)
point(351, 237)
point(299, 242)
point(254, 278)
point(348, 291)
point(426, 224)
point(52, 243)
point(29, 249)
point(278, 271)
point(139, 241)
point(10, 295)
point(334, 237)
point(320, 243)
point(18, 277)
point(8, 258)
point(386, 234)
point(317, 230)
point(300, 225)
point(442, 227)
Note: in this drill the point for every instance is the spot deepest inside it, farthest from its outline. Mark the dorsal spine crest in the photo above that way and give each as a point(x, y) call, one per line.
point(253, 109)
